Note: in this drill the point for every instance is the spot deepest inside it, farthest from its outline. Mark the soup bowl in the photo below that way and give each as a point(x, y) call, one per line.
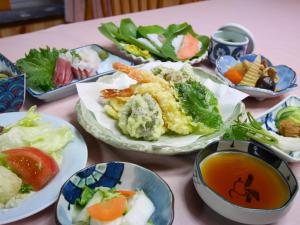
point(122, 176)
point(246, 188)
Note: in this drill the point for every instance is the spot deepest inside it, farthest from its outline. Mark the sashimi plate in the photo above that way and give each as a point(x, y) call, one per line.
point(92, 117)
point(74, 159)
point(105, 68)
point(140, 59)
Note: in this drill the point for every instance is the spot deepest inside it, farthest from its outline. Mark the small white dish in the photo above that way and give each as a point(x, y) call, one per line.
point(268, 120)
point(74, 159)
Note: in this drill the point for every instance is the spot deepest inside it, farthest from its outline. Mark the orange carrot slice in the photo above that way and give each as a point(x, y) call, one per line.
point(108, 210)
point(126, 193)
point(233, 75)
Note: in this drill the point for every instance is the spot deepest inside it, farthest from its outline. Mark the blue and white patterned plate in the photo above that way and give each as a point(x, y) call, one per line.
point(268, 120)
point(121, 175)
point(287, 77)
point(74, 159)
point(12, 89)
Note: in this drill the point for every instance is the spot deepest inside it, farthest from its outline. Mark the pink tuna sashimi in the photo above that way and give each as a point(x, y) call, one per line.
point(63, 73)
point(190, 46)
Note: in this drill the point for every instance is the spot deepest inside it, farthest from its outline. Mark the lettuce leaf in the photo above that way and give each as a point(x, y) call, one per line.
point(32, 132)
point(39, 66)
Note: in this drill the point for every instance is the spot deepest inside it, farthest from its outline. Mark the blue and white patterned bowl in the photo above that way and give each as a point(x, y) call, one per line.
point(121, 175)
point(287, 77)
point(268, 120)
point(12, 89)
point(230, 210)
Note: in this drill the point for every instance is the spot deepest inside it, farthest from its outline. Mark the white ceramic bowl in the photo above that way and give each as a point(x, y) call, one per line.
point(121, 175)
point(230, 210)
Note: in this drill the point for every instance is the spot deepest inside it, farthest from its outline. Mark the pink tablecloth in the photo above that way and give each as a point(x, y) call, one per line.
point(275, 25)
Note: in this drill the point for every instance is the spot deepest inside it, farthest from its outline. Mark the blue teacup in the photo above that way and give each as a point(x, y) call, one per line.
point(225, 42)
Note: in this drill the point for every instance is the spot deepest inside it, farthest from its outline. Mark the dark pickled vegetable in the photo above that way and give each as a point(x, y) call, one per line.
point(4, 75)
point(266, 82)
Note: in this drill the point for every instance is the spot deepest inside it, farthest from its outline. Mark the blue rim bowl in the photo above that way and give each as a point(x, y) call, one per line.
point(230, 210)
point(121, 175)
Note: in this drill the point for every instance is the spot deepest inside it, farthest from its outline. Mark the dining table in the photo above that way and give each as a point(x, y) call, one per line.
point(276, 31)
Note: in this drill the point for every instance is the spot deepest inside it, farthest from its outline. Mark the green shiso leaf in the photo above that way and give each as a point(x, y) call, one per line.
point(39, 66)
point(200, 103)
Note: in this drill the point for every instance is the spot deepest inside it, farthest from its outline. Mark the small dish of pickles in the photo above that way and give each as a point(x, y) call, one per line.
point(256, 75)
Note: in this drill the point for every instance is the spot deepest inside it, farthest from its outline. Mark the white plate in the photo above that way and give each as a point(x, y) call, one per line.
point(74, 159)
point(93, 118)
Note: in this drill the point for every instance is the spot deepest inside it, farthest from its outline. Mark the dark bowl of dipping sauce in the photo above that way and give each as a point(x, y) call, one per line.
point(244, 181)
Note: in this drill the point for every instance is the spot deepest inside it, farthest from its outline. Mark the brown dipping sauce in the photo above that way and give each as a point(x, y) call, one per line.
point(245, 180)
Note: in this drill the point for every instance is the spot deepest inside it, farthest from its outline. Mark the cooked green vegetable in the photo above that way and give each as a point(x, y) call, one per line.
point(39, 66)
point(3, 76)
point(103, 55)
point(85, 197)
point(25, 188)
point(200, 103)
point(291, 113)
point(249, 129)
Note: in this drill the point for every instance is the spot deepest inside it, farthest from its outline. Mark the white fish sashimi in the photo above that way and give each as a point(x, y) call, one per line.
point(140, 210)
point(147, 42)
point(177, 41)
point(155, 39)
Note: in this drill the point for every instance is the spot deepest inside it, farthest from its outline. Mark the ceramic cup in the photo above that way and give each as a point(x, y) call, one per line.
point(225, 42)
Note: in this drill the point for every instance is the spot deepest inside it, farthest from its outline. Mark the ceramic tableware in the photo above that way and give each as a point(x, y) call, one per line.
point(12, 88)
point(74, 159)
point(119, 175)
point(287, 77)
point(243, 187)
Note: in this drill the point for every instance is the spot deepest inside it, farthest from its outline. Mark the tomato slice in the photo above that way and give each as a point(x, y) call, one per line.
point(32, 165)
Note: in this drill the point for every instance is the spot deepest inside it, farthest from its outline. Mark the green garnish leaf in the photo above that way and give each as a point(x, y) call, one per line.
point(39, 66)
point(200, 103)
point(128, 28)
point(25, 188)
point(249, 129)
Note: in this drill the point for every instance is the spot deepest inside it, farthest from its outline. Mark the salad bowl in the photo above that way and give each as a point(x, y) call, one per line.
point(92, 117)
point(253, 187)
point(118, 175)
point(12, 87)
point(286, 82)
point(71, 163)
point(289, 149)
